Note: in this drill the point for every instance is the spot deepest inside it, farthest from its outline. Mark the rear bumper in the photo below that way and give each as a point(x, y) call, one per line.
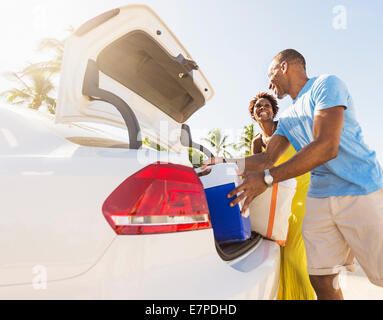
point(175, 266)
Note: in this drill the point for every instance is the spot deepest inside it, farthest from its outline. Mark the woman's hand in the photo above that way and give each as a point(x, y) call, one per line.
point(210, 162)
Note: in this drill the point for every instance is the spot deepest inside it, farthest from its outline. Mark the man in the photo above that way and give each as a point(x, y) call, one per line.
point(344, 207)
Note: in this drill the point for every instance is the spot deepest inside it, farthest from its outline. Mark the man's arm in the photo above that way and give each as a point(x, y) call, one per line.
point(327, 129)
point(257, 162)
point(265, 160)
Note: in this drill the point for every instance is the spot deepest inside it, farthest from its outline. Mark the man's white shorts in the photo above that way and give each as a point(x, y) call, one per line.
point(335, 230)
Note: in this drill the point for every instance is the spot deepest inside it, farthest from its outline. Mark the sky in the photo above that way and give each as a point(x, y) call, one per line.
point(233, 42)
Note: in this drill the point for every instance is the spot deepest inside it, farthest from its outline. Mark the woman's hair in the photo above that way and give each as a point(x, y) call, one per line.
point(268, 96)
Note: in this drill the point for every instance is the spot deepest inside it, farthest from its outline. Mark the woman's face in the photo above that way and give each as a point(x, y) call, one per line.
point(263, 111)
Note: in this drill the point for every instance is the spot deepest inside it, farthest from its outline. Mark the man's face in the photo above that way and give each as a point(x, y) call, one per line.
point(277, 79)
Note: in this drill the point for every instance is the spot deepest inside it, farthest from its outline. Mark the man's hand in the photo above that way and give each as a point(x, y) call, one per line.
point(252, 186)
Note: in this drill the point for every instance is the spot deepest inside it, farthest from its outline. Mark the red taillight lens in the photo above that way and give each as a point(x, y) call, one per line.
point(160, 198)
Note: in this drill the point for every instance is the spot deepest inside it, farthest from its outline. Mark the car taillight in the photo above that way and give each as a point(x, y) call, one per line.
point(160, 198)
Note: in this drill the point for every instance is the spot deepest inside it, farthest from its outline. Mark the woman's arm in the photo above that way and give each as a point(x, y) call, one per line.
point(257, 145)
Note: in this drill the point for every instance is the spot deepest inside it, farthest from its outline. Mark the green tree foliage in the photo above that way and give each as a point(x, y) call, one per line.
point(34, 83)
point(33, 90)
point(246, 140)
point(196, 157)
point(153, 145)
point(219, 143)
point(53, 46)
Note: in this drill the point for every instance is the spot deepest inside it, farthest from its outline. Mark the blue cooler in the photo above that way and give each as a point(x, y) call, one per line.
point(228, 224)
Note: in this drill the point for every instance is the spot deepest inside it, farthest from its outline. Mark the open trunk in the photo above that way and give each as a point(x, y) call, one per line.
point(127, 70)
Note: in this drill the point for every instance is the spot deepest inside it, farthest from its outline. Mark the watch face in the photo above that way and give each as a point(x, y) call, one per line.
point(269, 179)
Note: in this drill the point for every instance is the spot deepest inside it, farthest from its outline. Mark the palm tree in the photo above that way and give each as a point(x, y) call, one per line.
point(246, 140)
point(36, 80)
point(153, 145)
point(218, 142)
point(32, 90)
point(56, 48)
point(196, 157)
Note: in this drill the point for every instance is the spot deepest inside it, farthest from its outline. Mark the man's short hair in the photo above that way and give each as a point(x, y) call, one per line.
point(290, 56)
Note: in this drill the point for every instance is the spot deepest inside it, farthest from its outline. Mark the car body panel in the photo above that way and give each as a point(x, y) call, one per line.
point(52, 196)
point(175, 266)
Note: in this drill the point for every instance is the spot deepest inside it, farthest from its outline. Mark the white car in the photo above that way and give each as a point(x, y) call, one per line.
point(88, 212)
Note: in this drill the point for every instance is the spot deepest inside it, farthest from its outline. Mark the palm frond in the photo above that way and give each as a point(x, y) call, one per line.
point(246, 139)
point(208, 140)
point(16, 96)
point(51, 44)
point(48, 67)
point(15, 77)
point(219, 141)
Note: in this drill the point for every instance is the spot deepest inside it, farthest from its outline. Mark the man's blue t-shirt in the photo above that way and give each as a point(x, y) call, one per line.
point(355, 171)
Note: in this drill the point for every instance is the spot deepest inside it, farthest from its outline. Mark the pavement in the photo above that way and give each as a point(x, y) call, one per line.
point(356, 286)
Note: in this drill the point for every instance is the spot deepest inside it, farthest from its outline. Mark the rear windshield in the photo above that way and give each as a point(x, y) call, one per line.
point(139, 63)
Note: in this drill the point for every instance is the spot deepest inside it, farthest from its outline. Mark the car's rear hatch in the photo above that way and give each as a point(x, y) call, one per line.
point(127, 58)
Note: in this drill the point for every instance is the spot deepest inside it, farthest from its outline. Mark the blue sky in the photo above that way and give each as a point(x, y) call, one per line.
point(233, 43)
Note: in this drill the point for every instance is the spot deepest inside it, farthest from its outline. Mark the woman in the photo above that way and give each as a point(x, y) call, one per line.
point(294, 279)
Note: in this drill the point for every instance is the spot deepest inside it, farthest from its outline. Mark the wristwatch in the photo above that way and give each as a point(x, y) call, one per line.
point(268, 178)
